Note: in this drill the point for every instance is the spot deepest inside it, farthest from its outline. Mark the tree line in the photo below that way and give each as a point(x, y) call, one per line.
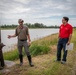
point(29, 25)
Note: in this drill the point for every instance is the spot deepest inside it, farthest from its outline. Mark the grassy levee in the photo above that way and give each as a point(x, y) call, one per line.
point(44, 62)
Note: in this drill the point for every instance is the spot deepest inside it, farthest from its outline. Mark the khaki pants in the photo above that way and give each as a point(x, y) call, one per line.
point(24, 44)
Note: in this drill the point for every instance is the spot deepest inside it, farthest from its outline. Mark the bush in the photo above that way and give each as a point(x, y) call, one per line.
point(36, 49)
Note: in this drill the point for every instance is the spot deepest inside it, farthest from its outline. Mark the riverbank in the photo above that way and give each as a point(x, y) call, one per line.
point(44, 63)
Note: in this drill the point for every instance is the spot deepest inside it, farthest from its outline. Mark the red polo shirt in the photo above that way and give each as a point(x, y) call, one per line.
point(65, 30)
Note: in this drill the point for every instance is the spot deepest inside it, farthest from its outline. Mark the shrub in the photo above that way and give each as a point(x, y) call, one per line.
point(36, 49)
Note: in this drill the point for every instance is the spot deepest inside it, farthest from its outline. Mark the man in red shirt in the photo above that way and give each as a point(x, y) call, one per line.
point(65, 35)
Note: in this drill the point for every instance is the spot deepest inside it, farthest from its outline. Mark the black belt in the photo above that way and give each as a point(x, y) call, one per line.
point(64, 38)
point(23, 40)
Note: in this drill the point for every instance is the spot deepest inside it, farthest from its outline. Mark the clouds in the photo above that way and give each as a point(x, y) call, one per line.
point(37, 11)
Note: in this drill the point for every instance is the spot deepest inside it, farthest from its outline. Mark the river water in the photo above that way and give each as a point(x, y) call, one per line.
point(34, 34)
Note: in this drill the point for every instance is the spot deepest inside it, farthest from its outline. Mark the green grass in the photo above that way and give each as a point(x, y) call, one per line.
point(36, 49)
point(12, 55)
point(44, 63)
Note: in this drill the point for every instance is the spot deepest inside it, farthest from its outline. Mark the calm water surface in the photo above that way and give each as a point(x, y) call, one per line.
point(34, 34)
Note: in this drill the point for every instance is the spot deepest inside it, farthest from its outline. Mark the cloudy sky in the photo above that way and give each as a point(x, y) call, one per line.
point(48, 12)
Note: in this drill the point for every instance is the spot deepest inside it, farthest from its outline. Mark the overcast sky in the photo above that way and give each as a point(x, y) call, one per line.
point(48, 12)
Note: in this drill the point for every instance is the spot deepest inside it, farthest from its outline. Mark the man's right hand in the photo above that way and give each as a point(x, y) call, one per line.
point(11, 36)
